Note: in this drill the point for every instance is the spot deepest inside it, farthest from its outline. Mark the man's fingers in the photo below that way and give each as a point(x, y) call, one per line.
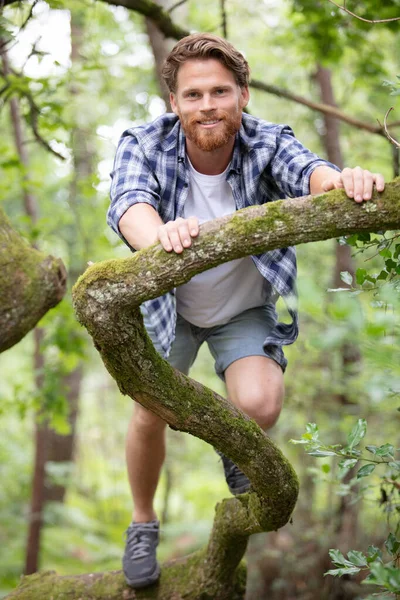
point(184, 234)
point(368, 185)
point(379, 182)
point(193, 224)
point(177, 235)
point(164, 238)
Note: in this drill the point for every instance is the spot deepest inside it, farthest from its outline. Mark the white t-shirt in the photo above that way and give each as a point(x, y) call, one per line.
point(215, 296)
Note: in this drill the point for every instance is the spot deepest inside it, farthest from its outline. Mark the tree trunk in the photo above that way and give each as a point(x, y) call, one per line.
point(346, 518)
point(161, 48)
point(61, 447)
point(107, 299)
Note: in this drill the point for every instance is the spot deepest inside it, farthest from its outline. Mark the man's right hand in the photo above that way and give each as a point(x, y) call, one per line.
point(177, 235)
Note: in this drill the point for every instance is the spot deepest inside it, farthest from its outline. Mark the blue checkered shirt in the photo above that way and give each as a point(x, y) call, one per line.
point(268, 163)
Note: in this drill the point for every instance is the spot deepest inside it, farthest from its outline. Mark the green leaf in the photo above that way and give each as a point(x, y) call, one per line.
point(348, 463)
point(338, 558)
point(383, 275)
point(346, 277)
point(357, 433)
point(373, 554)
point(357, 558)
point(365, 471)
point(320, 453)
point(372, 449)
point(312, 428)
point(386, 253)
point(326, 468)
point(395, 465)
point(360, 276)
point(392, 544)
point(390, 264)
point(343, 571)
point(385, 450)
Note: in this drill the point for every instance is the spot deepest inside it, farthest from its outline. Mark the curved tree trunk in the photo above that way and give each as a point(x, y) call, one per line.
point(107, 299)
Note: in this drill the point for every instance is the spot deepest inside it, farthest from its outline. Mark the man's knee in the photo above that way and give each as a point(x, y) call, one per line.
point(147, 422)
point(262, 406)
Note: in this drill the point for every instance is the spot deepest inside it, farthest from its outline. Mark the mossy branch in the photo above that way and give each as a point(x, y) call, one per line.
point(30, 284)
point(107, 299)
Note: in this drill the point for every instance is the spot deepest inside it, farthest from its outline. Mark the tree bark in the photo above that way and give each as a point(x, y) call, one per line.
point(107, 299)
point(30, 284)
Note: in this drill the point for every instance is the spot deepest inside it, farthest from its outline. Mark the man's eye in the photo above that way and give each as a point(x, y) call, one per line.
point(192, 95)
point(220, 92)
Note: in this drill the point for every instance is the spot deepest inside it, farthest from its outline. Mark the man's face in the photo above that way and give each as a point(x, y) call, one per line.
point(208, 102)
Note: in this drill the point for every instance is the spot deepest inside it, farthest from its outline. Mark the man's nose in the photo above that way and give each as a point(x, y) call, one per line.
point(208, 103)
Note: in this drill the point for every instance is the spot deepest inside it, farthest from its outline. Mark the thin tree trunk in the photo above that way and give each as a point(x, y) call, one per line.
point(347, 514)
point(61, 447)
point(160, 48)
point(41, 435)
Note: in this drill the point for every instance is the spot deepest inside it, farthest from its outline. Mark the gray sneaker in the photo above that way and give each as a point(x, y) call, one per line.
point(139, 563)
point(237, 481)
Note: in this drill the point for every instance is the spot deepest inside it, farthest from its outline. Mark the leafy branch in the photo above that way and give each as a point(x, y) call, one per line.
point(386, 575)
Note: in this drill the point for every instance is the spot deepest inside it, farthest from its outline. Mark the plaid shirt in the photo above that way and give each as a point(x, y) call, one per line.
point(268, 163)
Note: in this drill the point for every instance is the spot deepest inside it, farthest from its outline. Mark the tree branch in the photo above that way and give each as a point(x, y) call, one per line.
point(361, 18)
point(389, 137)
point(30, 284)
point(163, 20)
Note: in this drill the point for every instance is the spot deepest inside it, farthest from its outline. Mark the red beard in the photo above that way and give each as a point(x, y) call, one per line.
point(209, 140)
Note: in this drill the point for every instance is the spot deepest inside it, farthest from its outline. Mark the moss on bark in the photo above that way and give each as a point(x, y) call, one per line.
point(107, 299)
point(30, 284)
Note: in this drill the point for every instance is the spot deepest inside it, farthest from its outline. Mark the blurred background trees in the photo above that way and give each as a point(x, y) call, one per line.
point(79, 73)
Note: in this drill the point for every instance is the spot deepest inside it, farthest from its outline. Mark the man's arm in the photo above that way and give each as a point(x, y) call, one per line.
point(142, 226)
point(357, 183)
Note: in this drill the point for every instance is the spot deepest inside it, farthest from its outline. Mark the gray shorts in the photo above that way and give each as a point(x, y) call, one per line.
point(242, 336)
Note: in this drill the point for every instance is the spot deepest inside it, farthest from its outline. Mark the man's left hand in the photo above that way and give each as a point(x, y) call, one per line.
point(357, 183)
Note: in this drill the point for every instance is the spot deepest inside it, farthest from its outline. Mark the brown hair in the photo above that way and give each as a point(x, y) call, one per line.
point(203, 46)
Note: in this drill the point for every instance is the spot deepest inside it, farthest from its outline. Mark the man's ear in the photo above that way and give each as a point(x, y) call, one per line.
point(172, 101)
point(245, 96)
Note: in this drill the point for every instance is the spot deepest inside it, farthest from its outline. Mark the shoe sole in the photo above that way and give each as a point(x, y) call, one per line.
point(144, 581)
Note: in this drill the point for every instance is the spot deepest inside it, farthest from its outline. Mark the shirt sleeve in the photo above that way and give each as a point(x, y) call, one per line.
point(293, 165)
point(132, 181)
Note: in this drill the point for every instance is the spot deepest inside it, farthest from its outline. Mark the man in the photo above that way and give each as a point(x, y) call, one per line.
point(205, 161)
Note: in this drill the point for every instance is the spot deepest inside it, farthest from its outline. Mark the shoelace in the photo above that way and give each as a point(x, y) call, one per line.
point(138, 541)
point(139, 545)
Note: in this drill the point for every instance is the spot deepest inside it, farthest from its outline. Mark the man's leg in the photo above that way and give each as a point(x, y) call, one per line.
point(145, 454)
point(254, 380)
point(255, 385)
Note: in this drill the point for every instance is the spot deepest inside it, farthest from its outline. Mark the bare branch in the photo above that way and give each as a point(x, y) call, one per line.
point(385, 127)
point(318, 106)
point(25, 23)
point(34, 114)
point(361, 18)
point(176, 5)
point(224, 23)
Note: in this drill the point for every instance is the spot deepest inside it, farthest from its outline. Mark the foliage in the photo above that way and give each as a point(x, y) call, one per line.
point(386, 575)
point(108, 87)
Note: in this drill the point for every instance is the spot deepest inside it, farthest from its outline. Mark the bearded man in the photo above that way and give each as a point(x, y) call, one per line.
point(207, 160)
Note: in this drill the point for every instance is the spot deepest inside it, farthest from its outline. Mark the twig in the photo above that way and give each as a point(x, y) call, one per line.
point(174, 6)
point(385, 128)
point(34, 112)
point(224, 23)
point(361, 18)
point(24, 24)
point(395, 484)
